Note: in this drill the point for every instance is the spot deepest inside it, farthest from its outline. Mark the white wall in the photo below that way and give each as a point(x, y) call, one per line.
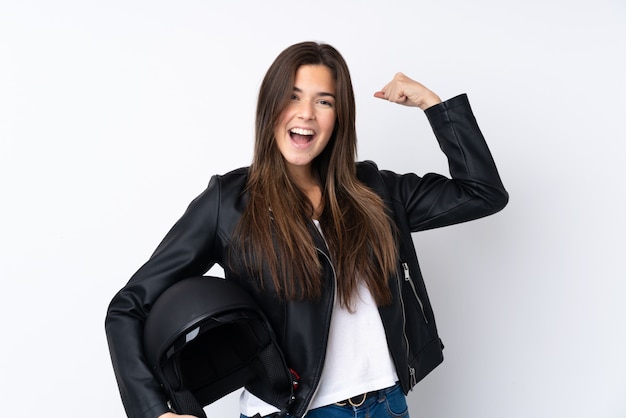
point(114, 114)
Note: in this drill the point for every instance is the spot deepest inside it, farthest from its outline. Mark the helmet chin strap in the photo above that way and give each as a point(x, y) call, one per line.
point(187, 404)
point(274, 415)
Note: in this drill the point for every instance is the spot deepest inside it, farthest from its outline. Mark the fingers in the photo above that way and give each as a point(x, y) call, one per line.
point(379, 94)
point(397, 90)
point(403, 90)
point(392, 97)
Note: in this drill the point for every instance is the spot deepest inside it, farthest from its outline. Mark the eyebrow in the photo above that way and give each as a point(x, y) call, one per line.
point(320, 94)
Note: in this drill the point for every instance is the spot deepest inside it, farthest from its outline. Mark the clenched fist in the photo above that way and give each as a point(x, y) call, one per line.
point(405, 91)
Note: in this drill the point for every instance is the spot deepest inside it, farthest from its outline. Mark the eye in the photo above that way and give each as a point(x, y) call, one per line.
point(326, 103)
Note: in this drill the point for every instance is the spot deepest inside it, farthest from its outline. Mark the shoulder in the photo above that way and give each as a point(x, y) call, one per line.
point(367, 169)
point(222, 188)
point(371, 175)
point(390, 185)
point(229, 189)
point(235, 175)
point(232, 180)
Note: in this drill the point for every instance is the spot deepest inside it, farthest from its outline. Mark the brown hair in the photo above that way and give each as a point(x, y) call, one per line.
point(274, 228)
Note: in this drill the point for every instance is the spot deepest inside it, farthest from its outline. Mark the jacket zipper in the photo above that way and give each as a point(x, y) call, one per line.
point(412, 379)
point(317, 385)
point(407, 278)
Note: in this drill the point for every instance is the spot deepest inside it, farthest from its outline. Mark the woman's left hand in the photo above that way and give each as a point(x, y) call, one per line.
point(408, 92)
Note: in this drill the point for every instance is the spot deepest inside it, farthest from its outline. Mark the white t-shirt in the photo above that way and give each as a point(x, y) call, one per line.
point(357, 357)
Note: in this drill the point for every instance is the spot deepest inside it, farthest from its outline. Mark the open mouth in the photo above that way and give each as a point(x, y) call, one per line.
point(301, 136)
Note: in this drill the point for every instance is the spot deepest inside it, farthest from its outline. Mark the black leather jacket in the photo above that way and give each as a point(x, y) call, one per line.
point(202, 237)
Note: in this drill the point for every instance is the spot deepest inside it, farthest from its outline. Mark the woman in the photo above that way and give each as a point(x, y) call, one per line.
point(327, 241)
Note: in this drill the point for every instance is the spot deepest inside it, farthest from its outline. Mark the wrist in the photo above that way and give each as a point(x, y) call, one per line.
point(430, 101)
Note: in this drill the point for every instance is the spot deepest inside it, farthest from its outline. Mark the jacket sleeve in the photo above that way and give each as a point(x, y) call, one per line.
point(187, 250)
point(475, 189)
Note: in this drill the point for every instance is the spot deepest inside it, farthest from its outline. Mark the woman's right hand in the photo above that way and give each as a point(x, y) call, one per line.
point(173, 415)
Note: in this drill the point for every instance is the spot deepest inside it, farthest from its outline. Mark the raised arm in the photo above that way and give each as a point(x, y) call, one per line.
point(474, 189)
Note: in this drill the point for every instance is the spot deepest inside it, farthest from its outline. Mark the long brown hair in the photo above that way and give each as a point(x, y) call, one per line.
point(275, 227)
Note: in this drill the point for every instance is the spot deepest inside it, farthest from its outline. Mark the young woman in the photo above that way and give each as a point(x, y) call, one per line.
point(326, 240)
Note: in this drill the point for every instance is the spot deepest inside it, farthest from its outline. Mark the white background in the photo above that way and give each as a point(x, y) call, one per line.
point(114, 114)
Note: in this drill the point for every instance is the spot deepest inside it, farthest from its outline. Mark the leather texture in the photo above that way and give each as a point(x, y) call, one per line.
point(202, 237)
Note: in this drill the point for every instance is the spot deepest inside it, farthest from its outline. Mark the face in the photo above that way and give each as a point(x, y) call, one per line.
point(306, 125)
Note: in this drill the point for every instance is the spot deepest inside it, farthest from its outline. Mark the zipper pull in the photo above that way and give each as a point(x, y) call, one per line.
point(413, 378)
point(407, 274)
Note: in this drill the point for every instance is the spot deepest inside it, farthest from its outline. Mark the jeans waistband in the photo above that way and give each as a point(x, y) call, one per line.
point(358, 400)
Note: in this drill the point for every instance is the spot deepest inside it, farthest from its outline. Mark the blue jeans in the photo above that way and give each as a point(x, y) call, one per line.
point(390, 403)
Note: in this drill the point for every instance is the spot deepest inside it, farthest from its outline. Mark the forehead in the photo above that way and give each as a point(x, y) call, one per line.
point(315, 79)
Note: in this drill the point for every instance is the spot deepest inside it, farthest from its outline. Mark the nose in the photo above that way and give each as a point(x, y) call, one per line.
point(306, 110)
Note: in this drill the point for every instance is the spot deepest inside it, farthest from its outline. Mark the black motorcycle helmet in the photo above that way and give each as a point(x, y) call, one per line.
point(206, 337)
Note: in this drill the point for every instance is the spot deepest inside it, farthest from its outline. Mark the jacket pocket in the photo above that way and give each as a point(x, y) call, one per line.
point(408, 280)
